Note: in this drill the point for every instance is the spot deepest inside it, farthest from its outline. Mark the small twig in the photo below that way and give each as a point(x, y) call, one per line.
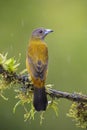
point(24, 80)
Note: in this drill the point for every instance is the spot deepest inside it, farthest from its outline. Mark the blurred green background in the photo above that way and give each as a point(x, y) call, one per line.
point(67, 53)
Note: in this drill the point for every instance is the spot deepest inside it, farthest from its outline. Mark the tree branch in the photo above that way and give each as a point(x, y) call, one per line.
point(24, 80)
point(70, 96)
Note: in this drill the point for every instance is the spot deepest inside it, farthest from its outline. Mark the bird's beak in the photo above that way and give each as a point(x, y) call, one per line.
point(47, 31)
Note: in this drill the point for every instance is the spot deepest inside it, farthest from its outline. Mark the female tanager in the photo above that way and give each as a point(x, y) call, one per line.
point(37, 65)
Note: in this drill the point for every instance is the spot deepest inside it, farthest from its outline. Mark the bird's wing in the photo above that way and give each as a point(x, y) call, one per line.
point(38, 67)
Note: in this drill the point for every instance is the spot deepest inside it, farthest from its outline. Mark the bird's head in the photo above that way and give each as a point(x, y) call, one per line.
point(41, 33)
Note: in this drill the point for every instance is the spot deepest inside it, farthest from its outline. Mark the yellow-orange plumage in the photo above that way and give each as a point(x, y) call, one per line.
point(37, 65)
point(38, 52)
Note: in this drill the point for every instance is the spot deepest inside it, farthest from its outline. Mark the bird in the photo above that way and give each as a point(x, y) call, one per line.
point(37, 66)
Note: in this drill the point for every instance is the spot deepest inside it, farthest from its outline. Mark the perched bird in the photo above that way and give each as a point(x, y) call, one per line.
point(37, 66)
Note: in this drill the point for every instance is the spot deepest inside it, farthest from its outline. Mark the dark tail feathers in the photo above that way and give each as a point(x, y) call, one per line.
point(40, 99)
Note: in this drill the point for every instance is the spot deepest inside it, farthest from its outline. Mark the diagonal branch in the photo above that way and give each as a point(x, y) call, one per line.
point(77, 97)
point(24, 80)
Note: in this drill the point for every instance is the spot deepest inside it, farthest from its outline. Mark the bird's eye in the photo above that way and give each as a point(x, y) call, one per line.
point(40, 31)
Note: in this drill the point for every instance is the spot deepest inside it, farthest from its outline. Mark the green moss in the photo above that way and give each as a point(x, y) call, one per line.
point(78, 112)
point(25, 99)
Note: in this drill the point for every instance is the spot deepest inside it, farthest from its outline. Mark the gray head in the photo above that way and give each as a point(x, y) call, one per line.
point(41, 33)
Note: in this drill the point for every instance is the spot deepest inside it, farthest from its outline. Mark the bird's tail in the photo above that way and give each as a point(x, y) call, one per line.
point(40, 99)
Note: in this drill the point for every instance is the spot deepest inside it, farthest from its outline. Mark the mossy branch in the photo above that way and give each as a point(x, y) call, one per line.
point(9, 77)
point(24, 80)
